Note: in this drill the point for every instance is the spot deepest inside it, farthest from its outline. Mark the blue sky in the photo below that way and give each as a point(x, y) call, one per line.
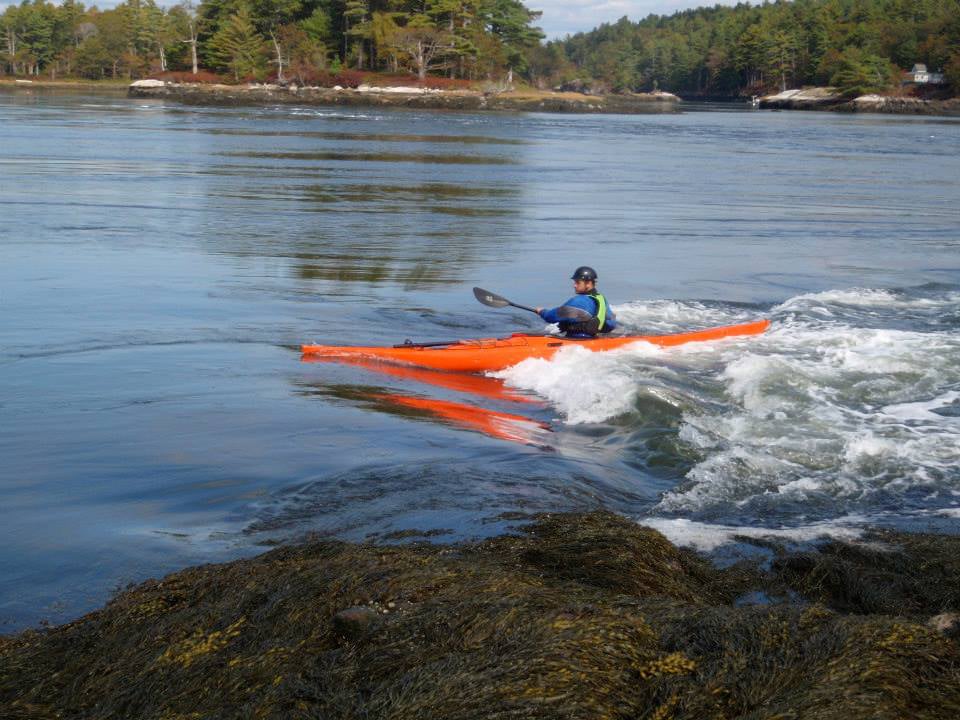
point(563, 17)
point(560, 17)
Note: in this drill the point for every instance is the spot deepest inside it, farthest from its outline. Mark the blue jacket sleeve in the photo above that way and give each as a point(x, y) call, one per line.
point(583, 302)
point(550, 315)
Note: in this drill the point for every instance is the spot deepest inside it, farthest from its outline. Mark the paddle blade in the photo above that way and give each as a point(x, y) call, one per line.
point(489, 298)
point(568, 312)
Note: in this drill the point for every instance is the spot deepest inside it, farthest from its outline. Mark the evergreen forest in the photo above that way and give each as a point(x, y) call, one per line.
point(857, 45)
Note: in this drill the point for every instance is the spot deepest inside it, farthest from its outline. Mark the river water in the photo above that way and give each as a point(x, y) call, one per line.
point(160, 265)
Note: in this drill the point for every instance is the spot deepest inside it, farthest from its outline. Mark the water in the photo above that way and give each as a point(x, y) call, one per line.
point(161, 264)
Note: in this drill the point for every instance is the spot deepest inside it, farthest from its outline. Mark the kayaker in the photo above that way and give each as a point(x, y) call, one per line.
point(588, 299)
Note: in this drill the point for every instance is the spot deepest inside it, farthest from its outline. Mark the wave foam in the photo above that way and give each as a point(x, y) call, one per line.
point(828, 410)
point(586, 387)
point(865, 297)
point(819, 413)
point(707, 537)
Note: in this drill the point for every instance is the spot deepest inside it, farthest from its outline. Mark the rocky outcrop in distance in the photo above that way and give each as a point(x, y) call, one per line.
point(900, 105)
point(827, 98)
point(410, 97)
point(806, 99)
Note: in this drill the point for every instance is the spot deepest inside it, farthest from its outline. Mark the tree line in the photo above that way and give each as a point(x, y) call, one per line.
point(858, 45)
point(259, 39)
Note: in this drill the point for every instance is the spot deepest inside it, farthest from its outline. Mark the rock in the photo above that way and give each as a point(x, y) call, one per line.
point(886, 104)
point(947, 623)
point(353, 622)
point(806, 99)
point(404, 89)
point(147, 84)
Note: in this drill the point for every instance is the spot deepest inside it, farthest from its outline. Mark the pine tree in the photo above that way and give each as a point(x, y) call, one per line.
point(238, 46)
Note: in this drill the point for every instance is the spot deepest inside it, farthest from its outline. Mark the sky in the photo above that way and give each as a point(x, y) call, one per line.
point(560, 17)
point(567, 17)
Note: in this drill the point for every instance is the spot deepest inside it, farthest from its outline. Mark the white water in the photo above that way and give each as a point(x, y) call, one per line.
point(834, 409)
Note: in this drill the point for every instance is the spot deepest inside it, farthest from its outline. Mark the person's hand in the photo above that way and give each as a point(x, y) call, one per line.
point(539, 310)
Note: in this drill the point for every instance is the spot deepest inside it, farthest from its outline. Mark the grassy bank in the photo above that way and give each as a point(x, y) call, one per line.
point(118, 85)
point(579, 616)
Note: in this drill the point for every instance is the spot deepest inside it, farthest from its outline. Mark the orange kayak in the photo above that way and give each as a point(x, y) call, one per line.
point(488, 354)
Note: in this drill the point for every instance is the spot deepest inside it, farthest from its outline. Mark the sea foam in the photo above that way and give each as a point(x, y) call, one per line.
point(849, 401)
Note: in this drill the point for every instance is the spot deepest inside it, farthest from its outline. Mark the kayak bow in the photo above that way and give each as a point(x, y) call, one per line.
point(488, 354)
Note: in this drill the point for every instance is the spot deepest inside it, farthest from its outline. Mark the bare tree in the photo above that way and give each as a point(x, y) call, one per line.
point(426, 48)
point(191, 24)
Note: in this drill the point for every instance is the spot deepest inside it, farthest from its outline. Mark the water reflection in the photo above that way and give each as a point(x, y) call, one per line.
point(505, 426)
point(498, 424)
point(425, 195)
point(364, 137)
point(379, 232)
point(387, 157)
point(477, 385)
point(494, 423)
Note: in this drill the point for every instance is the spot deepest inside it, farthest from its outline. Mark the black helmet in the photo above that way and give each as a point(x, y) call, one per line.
point(584, 273)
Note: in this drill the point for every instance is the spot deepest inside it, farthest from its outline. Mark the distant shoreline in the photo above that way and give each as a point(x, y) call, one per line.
point(816, 98)
point(412, 97)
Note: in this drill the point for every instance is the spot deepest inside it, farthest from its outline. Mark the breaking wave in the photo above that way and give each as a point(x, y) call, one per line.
point(849, 404)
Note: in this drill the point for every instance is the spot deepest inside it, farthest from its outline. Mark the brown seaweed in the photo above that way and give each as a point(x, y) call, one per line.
point(578, 616)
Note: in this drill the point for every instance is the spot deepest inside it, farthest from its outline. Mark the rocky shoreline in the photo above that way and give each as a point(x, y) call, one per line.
point(411, 97)
point(574, 616)
point(821, 98)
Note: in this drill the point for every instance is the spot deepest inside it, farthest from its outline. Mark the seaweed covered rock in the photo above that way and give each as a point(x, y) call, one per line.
point(580, 616)
point(791, 662)
point(893, 573)
point(615, 554)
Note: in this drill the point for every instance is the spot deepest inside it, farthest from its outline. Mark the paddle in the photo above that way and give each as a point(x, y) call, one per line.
point(498, 301)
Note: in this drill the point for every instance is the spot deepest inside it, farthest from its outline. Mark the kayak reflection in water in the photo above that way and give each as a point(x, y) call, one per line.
point(596, 316)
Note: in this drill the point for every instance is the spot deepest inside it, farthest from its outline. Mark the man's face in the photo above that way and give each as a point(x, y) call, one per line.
point(582, 286)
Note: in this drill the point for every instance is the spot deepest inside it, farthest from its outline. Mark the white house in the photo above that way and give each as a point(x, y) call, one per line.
point(921, 76)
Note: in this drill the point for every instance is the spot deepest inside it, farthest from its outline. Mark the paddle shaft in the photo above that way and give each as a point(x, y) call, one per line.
point(564, 312)
point(524, 307)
